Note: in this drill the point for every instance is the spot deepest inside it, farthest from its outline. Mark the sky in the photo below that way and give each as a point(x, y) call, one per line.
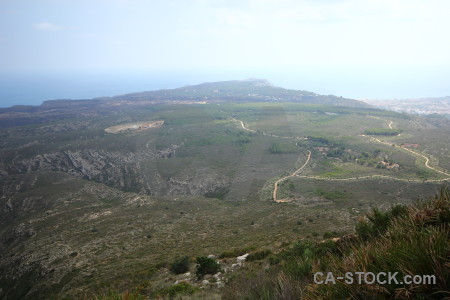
point(352, 48)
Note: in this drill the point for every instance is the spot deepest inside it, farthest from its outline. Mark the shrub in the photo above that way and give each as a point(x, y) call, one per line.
point(180, 265)
point(378, 221)
point(398, 211)
point(258, 255)
point(206, 265)
point(364, 230)
point(274, 149)
point(243, 140)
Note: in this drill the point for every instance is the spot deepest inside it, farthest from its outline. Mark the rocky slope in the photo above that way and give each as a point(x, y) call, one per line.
point(122, 170)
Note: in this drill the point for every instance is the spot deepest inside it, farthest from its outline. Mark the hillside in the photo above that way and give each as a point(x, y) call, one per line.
point(252, 90)
point(405, 245)
point(406, 241)
point(103, 202)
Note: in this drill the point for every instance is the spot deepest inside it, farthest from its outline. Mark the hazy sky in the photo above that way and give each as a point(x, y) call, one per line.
point(354, 48)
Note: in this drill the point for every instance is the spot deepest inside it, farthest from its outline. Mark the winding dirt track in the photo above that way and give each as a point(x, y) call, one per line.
point(295, 173)
point(390, 124)
point(275, 187)
point(385, 176)
point(264, 133)
point(243, 125)
point(370, 176)
point(389, 121)
point(427, 160)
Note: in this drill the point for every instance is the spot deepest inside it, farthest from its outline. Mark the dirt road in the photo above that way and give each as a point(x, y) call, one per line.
point(275, 188)
point(243, 125)
point(427, 160)
point(295, 173)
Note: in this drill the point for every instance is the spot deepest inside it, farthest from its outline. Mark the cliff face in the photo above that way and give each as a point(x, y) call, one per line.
point(124, 170)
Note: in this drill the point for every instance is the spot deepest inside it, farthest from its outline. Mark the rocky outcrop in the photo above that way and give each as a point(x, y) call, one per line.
point(124, 170)
point(19, 233)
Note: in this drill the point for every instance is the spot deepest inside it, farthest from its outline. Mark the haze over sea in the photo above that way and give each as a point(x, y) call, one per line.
point(34, 88)
point(354, 48)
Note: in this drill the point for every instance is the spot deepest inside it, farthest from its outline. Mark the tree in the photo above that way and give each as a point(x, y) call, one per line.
point(206, 265)
point(180, 265)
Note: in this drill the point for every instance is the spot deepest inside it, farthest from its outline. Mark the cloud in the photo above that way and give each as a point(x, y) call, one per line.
point(47, 26)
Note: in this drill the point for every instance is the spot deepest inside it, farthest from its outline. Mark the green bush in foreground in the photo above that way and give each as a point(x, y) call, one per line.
point(180, 265)
point(206, 265)
point(378, 222)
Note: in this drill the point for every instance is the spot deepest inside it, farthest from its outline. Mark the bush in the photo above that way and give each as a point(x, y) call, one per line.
point(275, 149)
point(258, 255)
point(364, 230)
point(378, 221)
point(180, 265)
point(398, 211)
point(206, 265)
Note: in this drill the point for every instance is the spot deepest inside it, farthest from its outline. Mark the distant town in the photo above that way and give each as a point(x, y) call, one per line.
point(422, 106)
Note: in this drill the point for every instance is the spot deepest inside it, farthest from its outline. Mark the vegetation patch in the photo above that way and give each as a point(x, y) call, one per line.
point(382, 131)
point(331, 195)
point(259, 255)
point(206, 265)
point(180, 265)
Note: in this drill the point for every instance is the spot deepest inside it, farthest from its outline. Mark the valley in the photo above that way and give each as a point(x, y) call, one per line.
point(107, 198)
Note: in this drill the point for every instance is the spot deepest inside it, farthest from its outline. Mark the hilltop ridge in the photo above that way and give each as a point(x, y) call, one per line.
point(248, 90)
point(235, 91)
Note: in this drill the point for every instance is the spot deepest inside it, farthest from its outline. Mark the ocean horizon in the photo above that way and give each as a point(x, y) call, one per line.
point(35, 89)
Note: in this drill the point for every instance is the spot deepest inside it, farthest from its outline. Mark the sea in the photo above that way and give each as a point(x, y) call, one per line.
point(33, 89)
